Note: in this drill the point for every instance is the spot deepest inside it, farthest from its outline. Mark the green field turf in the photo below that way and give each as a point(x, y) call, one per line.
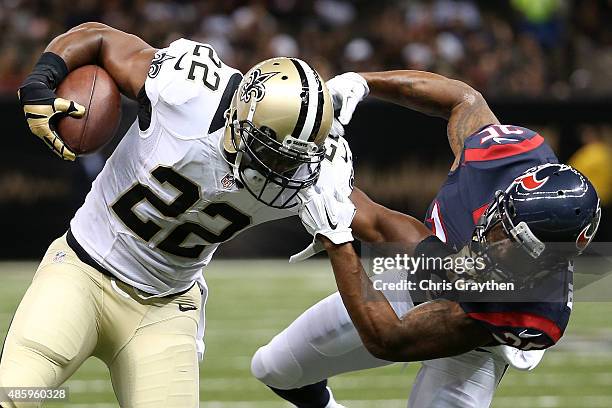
point(250, 301)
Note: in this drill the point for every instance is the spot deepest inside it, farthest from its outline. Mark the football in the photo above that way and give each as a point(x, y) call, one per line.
point(92, 87)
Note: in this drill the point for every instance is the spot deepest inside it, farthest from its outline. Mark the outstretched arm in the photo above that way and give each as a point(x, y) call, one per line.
point(374, 223)
point(124, 56)
point(435, 329)
point(464, 108)
point(432, 330)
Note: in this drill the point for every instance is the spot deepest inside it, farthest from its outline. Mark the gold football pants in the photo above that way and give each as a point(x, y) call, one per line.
point(72, 311)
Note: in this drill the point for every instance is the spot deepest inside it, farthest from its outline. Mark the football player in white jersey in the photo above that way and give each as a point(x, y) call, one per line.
point(211, 154)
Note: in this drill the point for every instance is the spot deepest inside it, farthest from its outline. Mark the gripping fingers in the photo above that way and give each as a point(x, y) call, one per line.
point(57, 145)
point(349, 105)
point(38, 118)
point(337, 129)
point(71, 108)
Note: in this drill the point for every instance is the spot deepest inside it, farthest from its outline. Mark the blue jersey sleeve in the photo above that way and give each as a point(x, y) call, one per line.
point(530, 324)
point(520, 325)
point(493, 157)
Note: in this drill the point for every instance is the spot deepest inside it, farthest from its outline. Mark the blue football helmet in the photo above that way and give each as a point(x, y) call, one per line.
point(550, 211)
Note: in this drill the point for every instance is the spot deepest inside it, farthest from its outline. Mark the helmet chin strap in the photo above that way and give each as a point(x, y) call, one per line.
point(240, 147)
point(520, 233)
point(236, 164)
point(254, 177)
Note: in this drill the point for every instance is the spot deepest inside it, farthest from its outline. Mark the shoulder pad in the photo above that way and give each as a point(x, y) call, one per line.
point(183, 71)
point(500, 141)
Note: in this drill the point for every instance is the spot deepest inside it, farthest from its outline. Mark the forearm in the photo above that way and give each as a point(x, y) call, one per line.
point(432, 330)
point(79, 46)
point(369, 310)
point(437, 329)
point(374, 223)
point(124, 56)
point(433, 94)
point(425, 92)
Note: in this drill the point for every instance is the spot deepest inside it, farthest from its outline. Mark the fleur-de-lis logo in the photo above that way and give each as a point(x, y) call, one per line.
point(157, 62)
point(255, 86)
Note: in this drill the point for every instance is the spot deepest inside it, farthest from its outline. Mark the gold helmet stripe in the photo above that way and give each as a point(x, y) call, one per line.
point(311, 88)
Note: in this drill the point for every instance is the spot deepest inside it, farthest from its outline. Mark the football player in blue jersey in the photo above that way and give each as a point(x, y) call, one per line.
point(506, 200)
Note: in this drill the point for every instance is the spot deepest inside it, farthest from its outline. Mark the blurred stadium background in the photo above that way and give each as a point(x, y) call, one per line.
point(545, 64)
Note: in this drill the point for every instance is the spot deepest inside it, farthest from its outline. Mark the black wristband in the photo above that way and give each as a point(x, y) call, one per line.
point(433, 247)
point(50, 70)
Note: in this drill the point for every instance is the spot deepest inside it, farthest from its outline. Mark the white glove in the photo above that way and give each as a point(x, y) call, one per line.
point(324, 213)
point(519, 359)
point(346, 91)
point(337, 130)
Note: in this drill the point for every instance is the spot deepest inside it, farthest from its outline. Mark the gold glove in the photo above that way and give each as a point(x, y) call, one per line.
point(41, 118)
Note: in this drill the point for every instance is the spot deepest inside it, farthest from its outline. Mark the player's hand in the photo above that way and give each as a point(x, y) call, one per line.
point(42, 109)
point(327, 213)
point(324, 213)
point(337, 130)
point(346, 91)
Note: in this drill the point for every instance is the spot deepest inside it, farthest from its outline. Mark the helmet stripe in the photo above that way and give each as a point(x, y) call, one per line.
point(319, 115)
point(299, 125)
point(311, 99)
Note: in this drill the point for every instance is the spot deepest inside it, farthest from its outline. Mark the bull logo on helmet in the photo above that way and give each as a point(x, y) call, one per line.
point(586, 235)
point(255, 86)
point(530, 182)
point(535, 178)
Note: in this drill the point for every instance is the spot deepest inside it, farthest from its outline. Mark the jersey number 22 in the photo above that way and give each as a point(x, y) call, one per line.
point(189, 195)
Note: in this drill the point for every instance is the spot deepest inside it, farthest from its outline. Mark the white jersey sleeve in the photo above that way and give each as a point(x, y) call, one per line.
point(183, 84)
point(337, 167)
